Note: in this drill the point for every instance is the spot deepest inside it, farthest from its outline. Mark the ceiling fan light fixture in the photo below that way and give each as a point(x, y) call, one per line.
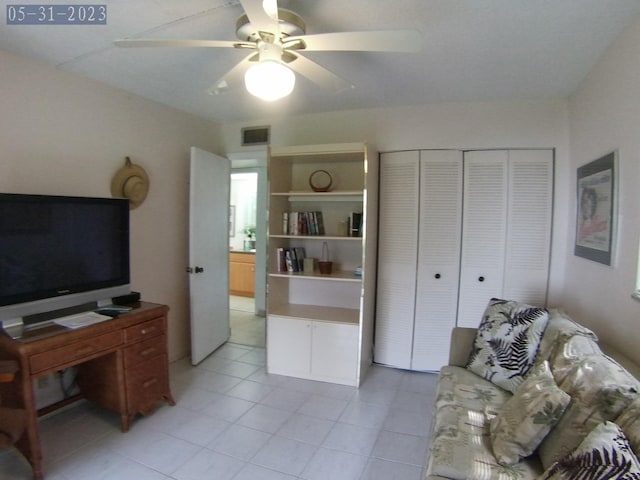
point(269, 80)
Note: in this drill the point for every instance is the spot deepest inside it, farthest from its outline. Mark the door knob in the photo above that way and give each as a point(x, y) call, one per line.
point(195, 270)
point(199, 269)
point(437, 275)
point(481, 279)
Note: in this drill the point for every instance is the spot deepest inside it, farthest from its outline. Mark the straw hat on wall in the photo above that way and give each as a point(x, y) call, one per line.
point(131, 182)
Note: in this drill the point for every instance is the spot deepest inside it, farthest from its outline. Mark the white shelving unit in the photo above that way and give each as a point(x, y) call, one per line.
point(320, 326)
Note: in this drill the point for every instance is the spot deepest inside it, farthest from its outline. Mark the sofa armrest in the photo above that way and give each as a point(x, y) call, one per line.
point(461, 344)
point(624, 361)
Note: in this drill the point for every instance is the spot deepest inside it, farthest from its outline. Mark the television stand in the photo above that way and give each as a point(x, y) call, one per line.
point(122, 366)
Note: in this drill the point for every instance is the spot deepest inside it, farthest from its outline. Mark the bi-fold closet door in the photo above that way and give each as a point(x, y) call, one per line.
point(456, 228)
point(506, 232)
point(418, 257)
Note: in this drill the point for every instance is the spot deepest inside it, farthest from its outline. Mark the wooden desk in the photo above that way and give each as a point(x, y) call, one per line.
point(122, 366)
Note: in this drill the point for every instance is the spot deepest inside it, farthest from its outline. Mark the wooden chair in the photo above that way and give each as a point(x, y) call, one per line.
point(12, 420)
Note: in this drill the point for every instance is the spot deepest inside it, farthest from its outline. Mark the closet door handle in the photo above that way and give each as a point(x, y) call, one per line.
point(437, 275)
point(481, 279)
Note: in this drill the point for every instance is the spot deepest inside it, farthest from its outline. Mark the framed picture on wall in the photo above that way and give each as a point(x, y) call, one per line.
point(232, 220)
point(596, 212)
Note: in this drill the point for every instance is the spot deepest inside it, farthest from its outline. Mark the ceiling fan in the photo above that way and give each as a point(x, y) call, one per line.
point(277, 38)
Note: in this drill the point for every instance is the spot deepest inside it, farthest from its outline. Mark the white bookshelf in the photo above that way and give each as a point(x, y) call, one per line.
point(311, 308)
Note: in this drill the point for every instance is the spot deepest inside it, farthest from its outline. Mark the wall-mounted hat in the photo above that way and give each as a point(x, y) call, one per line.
point(131, 182)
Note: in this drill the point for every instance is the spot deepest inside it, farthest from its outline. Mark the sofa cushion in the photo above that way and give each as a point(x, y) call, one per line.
point(559, 328)
point(629, 422)
point(605, 453)
point(527, 417)
point(507, 342)
point(569, 352)
point(458, 386)
point(600, 390)
point(461, 448)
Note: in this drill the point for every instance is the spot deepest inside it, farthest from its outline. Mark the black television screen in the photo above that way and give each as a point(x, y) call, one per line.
point(53, 247)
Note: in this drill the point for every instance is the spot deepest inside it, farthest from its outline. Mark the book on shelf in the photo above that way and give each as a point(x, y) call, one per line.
point(280, 260)
point(320, 223)
point(290, 260)
point(299, 254)
point(354, 224)
point(308, 223)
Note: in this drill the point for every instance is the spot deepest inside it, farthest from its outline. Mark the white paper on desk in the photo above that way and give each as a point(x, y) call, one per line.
point(77, 321)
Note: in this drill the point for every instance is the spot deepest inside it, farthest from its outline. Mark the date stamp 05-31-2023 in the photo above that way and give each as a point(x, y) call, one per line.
point(50, 14)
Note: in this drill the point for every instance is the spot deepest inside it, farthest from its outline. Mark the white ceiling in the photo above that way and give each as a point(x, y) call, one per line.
point(472, 50)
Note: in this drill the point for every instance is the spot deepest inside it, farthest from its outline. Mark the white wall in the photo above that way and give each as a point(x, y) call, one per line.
point(244, 190)
point(67, 135)
point(472, 125)
point(605, 115)
point(63, 134)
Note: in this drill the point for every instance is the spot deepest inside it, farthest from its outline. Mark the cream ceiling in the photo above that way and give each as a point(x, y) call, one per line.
point(472, 50)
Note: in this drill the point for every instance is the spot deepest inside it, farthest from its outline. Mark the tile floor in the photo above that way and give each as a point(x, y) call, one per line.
point(246, 327)
point(234, 421)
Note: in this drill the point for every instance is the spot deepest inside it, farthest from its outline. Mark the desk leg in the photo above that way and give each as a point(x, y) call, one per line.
point(29, 443)
point(125, 422)
point(169, 398)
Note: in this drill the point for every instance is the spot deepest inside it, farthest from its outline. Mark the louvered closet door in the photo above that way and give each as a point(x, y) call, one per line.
point(438, 257)
point(397, 252)
point(529, 226)
point(484, 228)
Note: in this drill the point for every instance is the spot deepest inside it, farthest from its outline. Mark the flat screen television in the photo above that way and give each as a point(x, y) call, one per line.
point(58, 252)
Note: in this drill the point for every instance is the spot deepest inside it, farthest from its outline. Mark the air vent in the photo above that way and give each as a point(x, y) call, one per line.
point(255, 136)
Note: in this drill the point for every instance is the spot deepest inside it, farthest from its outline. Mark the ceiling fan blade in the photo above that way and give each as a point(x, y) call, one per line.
point(371, 41)
point(233, 77)
point(260, 19)
point(169, 42)
point(318, 74)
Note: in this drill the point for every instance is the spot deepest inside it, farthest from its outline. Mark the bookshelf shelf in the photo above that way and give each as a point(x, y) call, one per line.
point(340, 276)
point(308, 312)
point(318, 313)
point(334, 196)
point(319, 237)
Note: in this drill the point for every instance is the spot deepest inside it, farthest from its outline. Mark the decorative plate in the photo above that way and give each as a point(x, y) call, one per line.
point(320, 181)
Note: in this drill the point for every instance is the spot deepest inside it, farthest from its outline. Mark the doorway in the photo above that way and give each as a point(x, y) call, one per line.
point(246, 320)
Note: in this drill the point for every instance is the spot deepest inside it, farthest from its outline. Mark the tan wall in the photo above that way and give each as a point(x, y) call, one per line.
point(515, 124)
point(66, 135)
point(605, 115)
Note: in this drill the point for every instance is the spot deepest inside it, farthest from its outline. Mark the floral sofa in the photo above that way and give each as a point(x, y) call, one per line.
point(531, 394)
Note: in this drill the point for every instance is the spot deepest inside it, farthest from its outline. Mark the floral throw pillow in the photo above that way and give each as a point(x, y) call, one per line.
point(526, 418)
point(629, 422)
point(604, 454)
point(507, 342)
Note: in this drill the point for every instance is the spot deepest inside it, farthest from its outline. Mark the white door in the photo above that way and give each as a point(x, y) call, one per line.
point(208, 252)
point(484, 230)
point(289, 351)
point(397, 253)
point(506, 229)
point(334, 352)
point(438, 257)
point(529, 226)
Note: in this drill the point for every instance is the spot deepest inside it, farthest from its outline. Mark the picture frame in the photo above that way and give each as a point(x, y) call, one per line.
point(596, 209)
point(232, 220)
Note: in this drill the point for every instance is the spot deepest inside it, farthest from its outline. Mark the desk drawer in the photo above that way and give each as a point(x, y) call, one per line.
point(144, 330)
point(75, 351)
point(141, 351)
point(147, 383)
